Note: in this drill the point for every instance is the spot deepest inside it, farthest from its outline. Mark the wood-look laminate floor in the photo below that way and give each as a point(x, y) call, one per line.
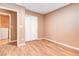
point(37, 48)
point(3, 41)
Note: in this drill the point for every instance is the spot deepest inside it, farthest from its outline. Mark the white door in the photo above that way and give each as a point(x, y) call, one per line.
point(31, 28)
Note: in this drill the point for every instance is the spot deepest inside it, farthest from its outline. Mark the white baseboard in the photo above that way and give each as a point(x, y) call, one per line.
point(13, 41)
point(41, 38)
point(66, 45)
point(22, 44)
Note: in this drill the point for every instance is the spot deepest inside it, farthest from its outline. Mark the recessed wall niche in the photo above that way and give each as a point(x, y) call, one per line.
point(13, 19)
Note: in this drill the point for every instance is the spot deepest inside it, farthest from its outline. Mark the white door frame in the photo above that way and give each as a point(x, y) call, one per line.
point(9, 24)
point(17, 11)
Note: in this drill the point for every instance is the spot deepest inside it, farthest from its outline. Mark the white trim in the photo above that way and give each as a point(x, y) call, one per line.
point(66, 45)
point(18, 28)
point(41, 38)
point(8, 8)
point(9, 24)
point(22, 44)
point(13, 41)
point(4, 13)
point(11, 9)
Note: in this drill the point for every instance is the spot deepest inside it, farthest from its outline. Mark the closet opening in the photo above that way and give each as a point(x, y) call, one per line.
point(8, 27)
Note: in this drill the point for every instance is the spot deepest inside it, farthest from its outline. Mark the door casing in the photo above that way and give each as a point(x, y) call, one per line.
point(9, 25)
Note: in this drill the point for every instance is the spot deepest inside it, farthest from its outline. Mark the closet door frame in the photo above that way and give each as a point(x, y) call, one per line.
point(9, 24)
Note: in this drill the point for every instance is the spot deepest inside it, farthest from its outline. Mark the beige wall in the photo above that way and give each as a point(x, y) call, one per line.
point(63, 25)
point(40, 22)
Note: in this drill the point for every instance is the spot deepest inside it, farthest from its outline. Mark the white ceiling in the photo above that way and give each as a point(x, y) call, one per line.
point(42, 8)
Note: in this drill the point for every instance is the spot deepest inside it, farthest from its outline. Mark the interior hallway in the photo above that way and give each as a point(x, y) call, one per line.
point(37, 48)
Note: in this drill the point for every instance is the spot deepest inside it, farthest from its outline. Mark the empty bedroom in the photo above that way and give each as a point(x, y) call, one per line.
point(39, 29)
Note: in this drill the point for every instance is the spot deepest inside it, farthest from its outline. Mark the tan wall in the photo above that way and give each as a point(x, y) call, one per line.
point(13, 23)
point(40, 22)
point(63, 25)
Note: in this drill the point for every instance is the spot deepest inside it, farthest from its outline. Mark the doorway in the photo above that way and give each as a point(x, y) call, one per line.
point(31, 28)
point(5, 29)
